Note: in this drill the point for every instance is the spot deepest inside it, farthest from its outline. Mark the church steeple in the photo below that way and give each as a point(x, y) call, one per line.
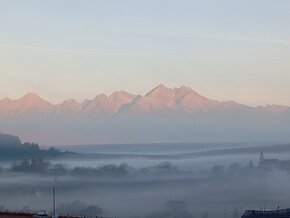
point(261, 156)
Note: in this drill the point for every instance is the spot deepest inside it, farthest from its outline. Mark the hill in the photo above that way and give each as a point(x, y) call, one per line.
point(12, 148)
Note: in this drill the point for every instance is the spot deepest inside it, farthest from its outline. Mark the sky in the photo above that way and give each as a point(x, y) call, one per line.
point(225, 50)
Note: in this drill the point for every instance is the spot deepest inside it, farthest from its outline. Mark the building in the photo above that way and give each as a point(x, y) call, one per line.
point(268, 163)
point(277, 213)
point(9, 214)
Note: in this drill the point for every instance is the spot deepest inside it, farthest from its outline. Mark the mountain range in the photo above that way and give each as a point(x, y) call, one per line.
point(160, 100)
point(162, 115)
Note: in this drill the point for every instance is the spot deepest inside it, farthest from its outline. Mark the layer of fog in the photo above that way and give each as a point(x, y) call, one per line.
point(185, 156)
point(206, 190)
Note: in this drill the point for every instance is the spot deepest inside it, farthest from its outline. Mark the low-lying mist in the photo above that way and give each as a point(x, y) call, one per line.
point(164, 186)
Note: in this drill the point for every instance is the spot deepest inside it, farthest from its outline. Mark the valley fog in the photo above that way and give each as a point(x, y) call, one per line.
point(213, 180)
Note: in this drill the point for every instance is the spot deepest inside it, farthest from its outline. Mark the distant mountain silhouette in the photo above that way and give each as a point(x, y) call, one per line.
point(161, 99)
point(163, 114)
point(29, 104)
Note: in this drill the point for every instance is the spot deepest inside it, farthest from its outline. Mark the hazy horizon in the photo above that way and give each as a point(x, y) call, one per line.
point(136, 94)
point(163, 115)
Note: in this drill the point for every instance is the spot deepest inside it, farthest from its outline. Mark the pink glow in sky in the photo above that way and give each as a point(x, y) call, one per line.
point(226, 50)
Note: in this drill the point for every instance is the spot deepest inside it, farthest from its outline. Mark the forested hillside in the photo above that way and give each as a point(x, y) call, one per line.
point(11, 147)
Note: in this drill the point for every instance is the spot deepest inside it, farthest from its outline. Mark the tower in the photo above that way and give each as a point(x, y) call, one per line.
point(261, 156)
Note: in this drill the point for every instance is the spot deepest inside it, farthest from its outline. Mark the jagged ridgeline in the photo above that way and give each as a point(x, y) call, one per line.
point(11, 147)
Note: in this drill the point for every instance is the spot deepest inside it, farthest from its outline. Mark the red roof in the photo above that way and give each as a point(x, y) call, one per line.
point(7, 214)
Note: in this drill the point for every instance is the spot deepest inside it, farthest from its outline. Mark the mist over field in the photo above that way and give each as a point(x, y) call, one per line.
point(151, 180)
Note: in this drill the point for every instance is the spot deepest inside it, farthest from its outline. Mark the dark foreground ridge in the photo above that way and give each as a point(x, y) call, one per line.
point(10, 214)
point(277, 213)
point(11, 148)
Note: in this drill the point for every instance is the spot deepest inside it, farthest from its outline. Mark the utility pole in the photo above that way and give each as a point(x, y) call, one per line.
point(53, 198)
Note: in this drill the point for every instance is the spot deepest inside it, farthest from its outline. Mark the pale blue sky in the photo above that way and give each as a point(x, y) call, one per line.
point(238, 50)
